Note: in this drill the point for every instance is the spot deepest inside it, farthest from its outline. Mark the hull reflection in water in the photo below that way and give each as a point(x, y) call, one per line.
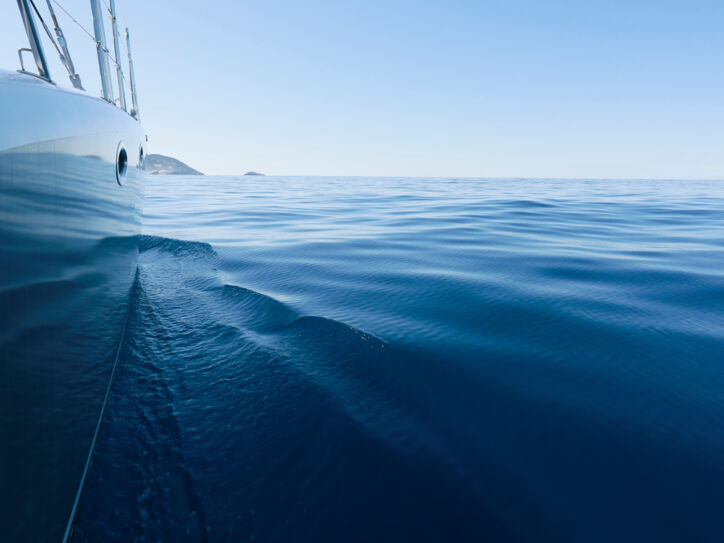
point(69, 227)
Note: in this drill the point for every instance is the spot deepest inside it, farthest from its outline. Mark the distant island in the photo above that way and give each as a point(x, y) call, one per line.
point(253, 173)
point(165, 165)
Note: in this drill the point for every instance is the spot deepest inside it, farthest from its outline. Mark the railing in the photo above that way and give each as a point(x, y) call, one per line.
point(99, 38)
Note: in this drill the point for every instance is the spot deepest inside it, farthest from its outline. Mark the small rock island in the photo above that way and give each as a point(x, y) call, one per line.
point(253, 173)
point(165, 165)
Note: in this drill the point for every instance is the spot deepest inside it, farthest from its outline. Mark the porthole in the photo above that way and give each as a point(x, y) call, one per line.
point(121, 164)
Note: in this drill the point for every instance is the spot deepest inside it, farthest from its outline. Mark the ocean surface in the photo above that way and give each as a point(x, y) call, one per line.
point(369, 359)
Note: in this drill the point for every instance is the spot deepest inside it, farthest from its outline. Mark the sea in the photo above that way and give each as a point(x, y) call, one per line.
point(343, 359)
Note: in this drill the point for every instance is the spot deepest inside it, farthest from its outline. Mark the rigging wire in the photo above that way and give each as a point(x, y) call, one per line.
point(47, 31)
point(91, 36)
point(75, 20)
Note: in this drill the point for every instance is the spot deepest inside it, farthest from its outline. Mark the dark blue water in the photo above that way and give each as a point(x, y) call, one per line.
point(352, 359)
point(68, 258)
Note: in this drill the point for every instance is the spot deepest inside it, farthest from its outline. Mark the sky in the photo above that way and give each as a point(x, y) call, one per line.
point(507, 88)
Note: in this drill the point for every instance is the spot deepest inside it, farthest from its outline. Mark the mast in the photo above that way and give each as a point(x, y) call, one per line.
point(103, 64)
point(134, 96)
point(117, 49)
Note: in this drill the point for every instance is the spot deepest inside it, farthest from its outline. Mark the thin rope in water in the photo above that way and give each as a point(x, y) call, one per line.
point(89, 460)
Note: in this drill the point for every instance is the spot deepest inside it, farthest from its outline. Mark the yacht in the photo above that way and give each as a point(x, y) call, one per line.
point(71, 182)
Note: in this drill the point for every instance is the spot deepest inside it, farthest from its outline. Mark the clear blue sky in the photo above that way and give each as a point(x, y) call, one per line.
point(449, 88)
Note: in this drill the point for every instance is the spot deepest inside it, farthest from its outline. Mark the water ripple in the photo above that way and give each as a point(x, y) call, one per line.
point(356, 359)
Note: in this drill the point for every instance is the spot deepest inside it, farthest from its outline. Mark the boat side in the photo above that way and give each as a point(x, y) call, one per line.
point(71, 181)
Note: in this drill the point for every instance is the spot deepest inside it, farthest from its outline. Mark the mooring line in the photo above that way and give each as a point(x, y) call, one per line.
point(89, 460)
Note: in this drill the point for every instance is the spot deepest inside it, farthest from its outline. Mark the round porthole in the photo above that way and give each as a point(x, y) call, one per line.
point(121, 164)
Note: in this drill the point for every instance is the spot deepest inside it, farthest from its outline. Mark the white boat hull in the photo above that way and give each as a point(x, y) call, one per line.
point(69, 226)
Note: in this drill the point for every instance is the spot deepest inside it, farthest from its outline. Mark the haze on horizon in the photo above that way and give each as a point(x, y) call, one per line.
point(476, 89)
